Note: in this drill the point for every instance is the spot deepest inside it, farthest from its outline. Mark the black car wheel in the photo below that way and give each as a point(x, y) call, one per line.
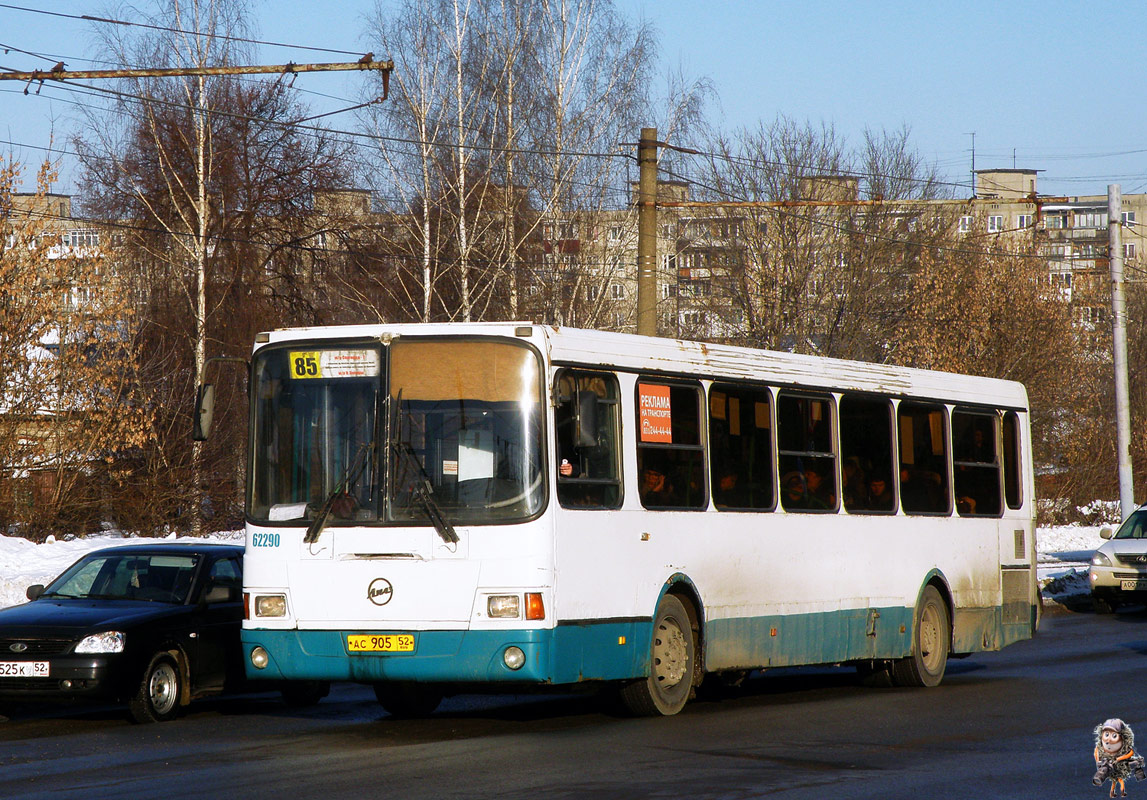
point(157, 697)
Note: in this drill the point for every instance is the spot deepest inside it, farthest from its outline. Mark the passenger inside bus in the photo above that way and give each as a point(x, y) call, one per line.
point(656, 488)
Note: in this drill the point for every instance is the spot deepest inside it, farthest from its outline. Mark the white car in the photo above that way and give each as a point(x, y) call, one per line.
point(1118, 570)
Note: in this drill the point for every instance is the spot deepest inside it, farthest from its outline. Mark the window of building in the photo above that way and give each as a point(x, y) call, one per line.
point(1091, 219)
point(1127, 217)
point(670, 456)
point(977, 478)
point(1055, 221)
point(807, 460)
point(741, 447)
point(867, 484)
point(591, 292)
point(586, 436)
point(995, 223)
point(923, 458)
point(567, 230)
point(1024, 221)
point(617, 291)
point(965, 224)
point(614, 233)
point(1129, 250)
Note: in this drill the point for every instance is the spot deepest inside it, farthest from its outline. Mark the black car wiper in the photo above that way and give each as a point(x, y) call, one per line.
point(423, 489)
point(349, 478)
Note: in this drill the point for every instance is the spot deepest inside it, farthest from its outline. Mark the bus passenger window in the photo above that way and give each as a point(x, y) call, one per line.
point(741, 447)
point(585, 436)
point(670, 456)
point(866, 484)
point(977, 479)
point(923, 459)
point(1013, 480)
point(807, 460)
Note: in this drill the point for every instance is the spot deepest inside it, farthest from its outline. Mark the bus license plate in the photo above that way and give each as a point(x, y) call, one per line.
point(380, 643)
point(1133, 586)
point(24, 669)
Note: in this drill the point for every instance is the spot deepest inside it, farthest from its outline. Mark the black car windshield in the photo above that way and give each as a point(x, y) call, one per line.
point(157, 577)
point(1134, 527)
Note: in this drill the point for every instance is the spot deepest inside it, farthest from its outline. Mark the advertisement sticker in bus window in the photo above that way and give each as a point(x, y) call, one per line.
point(656, 420)
point(717, 405)
point(334, 364)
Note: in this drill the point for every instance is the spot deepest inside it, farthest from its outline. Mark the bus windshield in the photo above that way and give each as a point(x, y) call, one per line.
point(450, 428)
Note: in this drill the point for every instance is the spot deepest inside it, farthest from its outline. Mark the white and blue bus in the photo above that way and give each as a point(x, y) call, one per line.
point(471, 507)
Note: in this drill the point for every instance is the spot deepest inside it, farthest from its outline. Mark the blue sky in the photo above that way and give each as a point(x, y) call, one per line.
point(1057, 84)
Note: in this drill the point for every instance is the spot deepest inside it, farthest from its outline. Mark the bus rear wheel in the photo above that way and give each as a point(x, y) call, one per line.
point(930, 637)
point(673, 654)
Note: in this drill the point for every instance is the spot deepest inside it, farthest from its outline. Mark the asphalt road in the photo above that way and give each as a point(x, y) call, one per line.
point(1014, 724)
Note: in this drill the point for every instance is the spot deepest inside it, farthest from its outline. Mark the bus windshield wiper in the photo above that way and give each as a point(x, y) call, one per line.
point(423, 492)
point(423, 489)
point(348, 479)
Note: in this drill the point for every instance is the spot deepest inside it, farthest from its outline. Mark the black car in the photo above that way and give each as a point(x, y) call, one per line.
point(153, 625)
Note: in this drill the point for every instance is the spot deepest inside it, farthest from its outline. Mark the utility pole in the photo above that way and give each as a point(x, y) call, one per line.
point(647, 233)
point(1119, 350)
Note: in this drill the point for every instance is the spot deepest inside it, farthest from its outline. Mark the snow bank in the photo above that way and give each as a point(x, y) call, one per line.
point(23, 563)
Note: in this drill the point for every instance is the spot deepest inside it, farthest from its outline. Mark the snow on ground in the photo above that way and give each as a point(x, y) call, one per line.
point(1063, 556)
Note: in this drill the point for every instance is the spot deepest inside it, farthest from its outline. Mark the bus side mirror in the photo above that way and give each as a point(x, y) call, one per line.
point(204, 411)
point(586, 429)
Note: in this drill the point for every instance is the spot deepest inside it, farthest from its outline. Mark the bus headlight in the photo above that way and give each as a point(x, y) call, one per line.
point(513, 657)
point(503, 606)
point(259, 658)
point(270, 605)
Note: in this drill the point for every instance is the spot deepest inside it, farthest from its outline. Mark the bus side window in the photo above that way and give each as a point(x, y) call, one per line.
point(807, 460)
point(741, 447)
point(977, 479)
point(1013, 474)
point(867, 485)
point(923, 458)
point(585, 436)
point(670, 455)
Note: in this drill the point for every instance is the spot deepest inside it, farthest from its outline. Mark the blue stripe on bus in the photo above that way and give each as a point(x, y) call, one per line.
point(619, 649)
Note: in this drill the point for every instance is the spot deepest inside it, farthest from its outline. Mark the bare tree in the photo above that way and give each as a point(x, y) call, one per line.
point(68, 398)
point(214, 186)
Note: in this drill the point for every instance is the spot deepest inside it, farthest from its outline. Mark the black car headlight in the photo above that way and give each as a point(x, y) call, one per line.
point(106, 642)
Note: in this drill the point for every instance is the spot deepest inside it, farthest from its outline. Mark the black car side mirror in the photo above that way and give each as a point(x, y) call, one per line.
point(34, 591)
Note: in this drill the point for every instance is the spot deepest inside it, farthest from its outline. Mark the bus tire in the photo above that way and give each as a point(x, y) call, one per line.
point(406, 699)
point(931, 634)
point(672, 663)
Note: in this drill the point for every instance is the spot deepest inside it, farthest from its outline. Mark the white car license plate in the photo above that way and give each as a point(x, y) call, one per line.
point(23, 669)
point(1133, 585)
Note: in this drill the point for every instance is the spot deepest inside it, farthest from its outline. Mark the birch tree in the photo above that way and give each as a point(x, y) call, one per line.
point(214, 186)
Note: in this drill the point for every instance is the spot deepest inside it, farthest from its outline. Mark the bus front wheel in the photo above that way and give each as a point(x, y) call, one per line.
point(930, 637)
point(673, 654)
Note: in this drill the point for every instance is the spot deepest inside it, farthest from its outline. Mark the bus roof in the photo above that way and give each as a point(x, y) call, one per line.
point(630, 352)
